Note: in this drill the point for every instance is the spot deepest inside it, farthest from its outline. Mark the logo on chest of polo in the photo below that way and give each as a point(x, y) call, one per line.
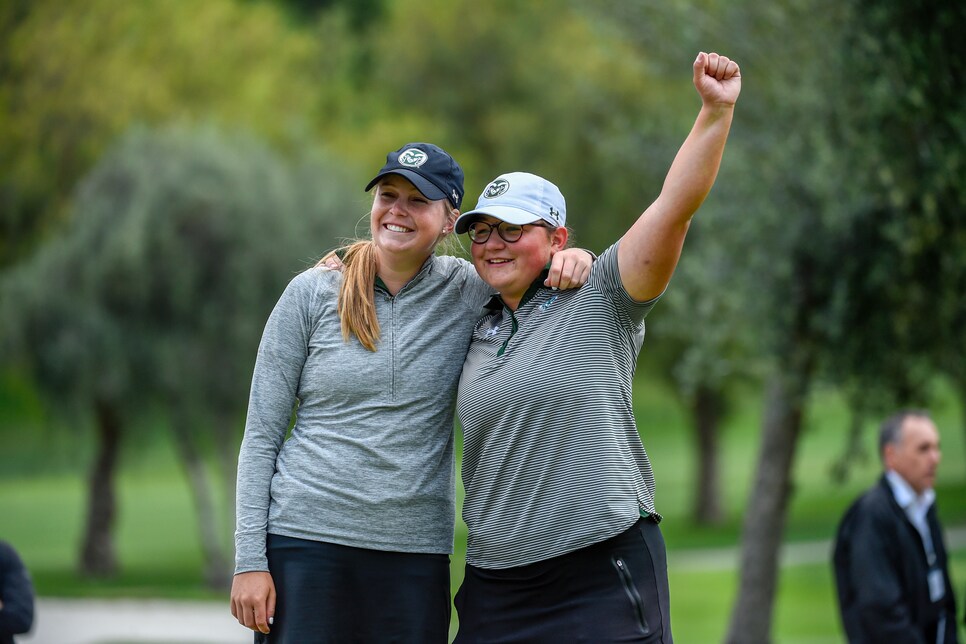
point(546, 305)
point(493, 326)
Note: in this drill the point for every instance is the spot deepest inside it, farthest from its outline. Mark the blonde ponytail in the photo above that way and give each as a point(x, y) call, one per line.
point(357, 304)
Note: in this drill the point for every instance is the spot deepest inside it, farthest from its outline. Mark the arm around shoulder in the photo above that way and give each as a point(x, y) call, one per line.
point(569, 268)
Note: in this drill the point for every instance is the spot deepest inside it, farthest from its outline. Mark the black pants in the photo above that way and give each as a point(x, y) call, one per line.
point(338, 594)
point(613, 591)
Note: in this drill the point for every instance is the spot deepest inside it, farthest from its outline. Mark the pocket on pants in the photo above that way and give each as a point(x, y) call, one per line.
point(630, 590)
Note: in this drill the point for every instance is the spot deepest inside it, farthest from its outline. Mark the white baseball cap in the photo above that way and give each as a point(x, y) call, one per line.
point(518, 198)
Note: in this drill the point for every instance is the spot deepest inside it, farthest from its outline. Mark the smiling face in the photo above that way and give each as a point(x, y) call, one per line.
point(915, 456)
point(406, 226)
point(511, 267)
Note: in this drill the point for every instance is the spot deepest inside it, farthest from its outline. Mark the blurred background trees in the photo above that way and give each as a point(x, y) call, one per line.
point(76, 76)
point(165, 167)
point(150, 302)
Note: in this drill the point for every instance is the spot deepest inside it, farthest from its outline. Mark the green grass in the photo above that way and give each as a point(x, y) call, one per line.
point(155, 536)
point(161, 559)
point(805, 608)
point(42, 500)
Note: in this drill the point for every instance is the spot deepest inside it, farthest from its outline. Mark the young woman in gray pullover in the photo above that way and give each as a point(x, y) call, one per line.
point(344, 530)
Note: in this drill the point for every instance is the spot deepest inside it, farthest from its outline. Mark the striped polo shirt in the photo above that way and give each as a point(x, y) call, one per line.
point(552, 461)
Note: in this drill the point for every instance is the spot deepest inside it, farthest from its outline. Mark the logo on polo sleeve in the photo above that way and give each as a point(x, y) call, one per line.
point(413, 158)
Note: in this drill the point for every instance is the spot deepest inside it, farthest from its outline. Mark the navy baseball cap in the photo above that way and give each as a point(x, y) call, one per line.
point(434, 172)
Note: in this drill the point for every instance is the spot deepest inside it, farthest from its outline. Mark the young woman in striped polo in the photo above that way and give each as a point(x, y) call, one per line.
point(563, 542)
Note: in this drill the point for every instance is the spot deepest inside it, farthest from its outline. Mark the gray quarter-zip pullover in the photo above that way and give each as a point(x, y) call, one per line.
point(369, 462)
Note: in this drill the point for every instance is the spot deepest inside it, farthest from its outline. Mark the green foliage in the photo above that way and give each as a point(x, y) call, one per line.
point(154, 297)
point(832, 230)
point(903, 269)
point(362, 13)
point(77, 75)
point(756, 253)
point(66, 343)
point(547, 91)
point(180, 242)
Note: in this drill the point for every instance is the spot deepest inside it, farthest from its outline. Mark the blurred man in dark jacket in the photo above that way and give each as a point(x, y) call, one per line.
point(16, 595)
point(890, 559)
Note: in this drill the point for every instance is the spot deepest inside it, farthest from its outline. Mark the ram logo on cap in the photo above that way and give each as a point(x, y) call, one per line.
point(496, 188)
point(413, 158)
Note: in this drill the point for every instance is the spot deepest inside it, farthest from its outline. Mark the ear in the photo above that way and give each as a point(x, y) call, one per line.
point(888, 455)
point(450, 221)
point(558, 238)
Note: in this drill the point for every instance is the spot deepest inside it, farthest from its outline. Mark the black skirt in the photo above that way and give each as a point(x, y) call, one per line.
point(328, 593)
point(612, 591)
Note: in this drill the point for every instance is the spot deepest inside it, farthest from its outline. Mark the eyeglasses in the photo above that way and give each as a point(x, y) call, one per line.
point(479, 231)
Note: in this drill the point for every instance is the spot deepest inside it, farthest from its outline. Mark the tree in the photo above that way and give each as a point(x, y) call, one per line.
point(888, 286)
point(705, 345)
point(70, 349)
point(794, 215)
point(905, 132)
point(180, 242)
point(77, 75)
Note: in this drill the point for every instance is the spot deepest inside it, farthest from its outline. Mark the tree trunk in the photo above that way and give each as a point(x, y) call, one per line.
point(961, 387)
point(854, 451)
point(706, 413)
point(98, 555)
point(765, 519)
point(217, 574)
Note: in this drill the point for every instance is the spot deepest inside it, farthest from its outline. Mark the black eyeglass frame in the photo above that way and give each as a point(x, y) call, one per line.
point(501, 230)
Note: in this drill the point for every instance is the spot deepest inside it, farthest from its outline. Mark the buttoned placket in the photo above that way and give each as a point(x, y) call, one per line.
point(525, 301)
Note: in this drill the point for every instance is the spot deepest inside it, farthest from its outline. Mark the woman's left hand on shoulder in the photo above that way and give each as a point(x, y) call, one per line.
point(569, 268)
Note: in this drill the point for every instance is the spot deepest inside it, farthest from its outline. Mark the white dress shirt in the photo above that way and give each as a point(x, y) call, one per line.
point(915, 506)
